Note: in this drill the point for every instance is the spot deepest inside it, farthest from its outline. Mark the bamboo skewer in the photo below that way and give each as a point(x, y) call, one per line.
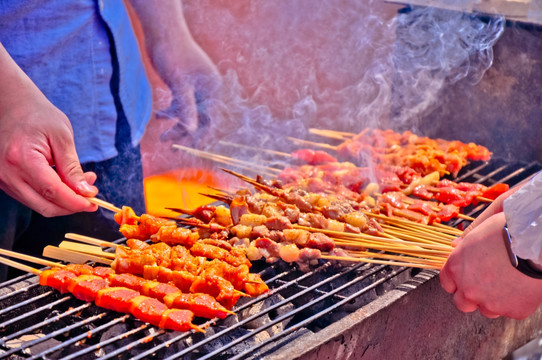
point(415, 238)
point(104, 204)
point(353, 236)
point(38, 272)
point(381, 262)
point(29, 258)
point(334, 134)
point(424, 234)
point(19, 266)
point(412, 259)
point(71, 256)
point(413, 251)
point(86, 249)
point(427, 235)
point(406, 227)
point(269, 151)
point(439, 227)
point(228, 160)
point(91, 240)
point(329, 134)
point(312, 143)
point(366, 246)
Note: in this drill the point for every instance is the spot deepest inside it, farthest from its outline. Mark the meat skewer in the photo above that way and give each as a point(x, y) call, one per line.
point(189, 272)
point(421, 153)
point(95, 288)
point(202, 305)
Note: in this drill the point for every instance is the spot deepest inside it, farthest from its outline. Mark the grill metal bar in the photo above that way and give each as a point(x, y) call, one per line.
point(276, 306)
point(43, 323)
point(253, 317)
point(107, 342)
point(315, 291)
point(55, 333)
point(18, 291)
point(35, 311)
point(186, 335)
point(16, 280)
point(297, 310)
point(283, 281)
point(26, 302)
point(315, 316)
point(82, 336)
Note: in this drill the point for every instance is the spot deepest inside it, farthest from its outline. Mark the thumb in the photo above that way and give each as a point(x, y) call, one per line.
point(69, 169)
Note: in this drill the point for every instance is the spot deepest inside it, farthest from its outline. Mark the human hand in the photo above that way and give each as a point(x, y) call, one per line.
point(193, 80)
point(480, 276)
point(34, 136)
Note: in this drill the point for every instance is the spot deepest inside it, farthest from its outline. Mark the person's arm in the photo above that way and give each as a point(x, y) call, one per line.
point(178, 59)
point(34, 136)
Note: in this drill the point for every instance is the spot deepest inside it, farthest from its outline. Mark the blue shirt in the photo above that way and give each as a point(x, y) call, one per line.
point(65, 48)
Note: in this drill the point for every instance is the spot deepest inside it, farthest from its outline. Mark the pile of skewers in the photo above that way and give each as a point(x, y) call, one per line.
point(390, 212)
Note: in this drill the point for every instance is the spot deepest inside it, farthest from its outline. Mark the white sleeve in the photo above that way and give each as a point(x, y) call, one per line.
point(523, 212)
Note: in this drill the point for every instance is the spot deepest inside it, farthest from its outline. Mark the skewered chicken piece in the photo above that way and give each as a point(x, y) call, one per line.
point(422, 154)
point(202, 305)
point(189, 273)
point(94, 288)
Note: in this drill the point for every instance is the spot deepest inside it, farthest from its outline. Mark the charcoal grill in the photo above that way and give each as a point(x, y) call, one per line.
point(361, 311)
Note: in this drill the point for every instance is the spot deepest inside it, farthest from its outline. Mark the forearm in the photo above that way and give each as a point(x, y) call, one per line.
point(166, 33)
point(16, 85)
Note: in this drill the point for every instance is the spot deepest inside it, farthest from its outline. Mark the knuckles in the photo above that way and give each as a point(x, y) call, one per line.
point(72, 170)
point(49, 193)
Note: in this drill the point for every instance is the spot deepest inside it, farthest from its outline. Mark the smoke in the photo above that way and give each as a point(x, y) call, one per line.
point(288, 66)
point(436, 48)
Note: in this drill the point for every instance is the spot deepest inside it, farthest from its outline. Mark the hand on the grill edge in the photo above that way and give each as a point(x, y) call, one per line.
point(34, 136)
point(480, 276)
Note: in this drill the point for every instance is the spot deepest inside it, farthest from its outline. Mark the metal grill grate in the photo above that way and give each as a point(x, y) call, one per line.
point(39, 323)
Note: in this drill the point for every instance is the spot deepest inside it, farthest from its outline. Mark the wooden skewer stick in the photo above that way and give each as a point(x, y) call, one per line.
point(438, 227)
point(382, 262)
point(448, 238)
point(399, 242)
point(412, 259)
point(312, 143)
point(435, 237)
point(19, 266)
point(104, 204)
point(91, 240)
point(224, 198)
point(269, 151)
point(71, 256)
point(415, 238)
point(336, 132)
point(86, 249)
point(29, 258)
point(229, 161)
point(411, 250)
point(328, 134)
point(448, 229)
point(222, 191)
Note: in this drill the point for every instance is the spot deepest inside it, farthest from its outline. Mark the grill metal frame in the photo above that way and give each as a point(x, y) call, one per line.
point(311, 309)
